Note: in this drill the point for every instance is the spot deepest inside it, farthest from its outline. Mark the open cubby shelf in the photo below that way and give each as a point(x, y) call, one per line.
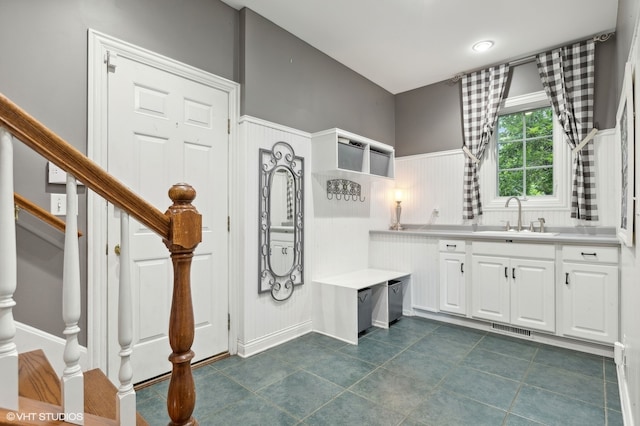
point(343, 153)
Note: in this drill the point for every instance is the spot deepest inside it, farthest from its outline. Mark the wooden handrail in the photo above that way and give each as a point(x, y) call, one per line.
point(52, 147)
point(40, 213)
point(180, 228)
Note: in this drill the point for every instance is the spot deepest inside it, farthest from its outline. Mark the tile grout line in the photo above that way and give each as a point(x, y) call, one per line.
point(456, 365)
point(522, 383)
point(255, 392)
point(604, 391)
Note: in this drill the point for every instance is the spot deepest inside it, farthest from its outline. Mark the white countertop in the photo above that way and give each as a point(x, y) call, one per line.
point(361, 278)
point(562, 236)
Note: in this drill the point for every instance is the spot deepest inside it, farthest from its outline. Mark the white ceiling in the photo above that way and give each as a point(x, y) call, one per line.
point(404, 44)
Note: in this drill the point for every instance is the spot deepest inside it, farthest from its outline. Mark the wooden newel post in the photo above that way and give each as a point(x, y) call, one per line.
point(185, 234)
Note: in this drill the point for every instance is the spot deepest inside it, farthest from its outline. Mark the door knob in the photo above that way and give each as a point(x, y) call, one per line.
point(116, 249)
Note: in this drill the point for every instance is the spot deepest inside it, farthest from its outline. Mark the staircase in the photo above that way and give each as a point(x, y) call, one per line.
point(41, 400)
point(30, 390)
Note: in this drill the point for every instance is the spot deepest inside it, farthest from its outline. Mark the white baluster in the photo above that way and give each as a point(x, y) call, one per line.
point(8, 277)
point(126, 402)
point(72, 377)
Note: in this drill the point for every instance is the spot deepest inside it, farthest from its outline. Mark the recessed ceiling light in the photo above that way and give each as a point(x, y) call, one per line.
point(482, 46)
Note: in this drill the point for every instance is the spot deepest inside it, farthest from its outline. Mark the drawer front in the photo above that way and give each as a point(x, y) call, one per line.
point(282, 236)
point(590, 254)
point(453, 246)
point(508, 249)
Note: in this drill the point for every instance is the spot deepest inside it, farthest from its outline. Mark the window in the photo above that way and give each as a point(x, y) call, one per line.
point(525, 153)
point(528, 157)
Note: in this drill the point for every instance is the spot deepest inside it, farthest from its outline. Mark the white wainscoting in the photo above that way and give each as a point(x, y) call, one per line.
point(341, 229)
point(432, 184)
point(433, 187)
point(262, 321)
point(417, 254)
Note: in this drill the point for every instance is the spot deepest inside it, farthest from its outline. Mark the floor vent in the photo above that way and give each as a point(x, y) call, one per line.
point(513, 330)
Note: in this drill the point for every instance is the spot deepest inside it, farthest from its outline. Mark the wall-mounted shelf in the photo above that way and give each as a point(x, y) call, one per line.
point(342, 153)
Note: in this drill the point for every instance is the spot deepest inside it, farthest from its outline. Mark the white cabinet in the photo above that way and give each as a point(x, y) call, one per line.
point(490, 288)
point(590, 290)
point(452, 277)
point(282, 254)
point(533, 294)
point(514, 284)
point(336, 151)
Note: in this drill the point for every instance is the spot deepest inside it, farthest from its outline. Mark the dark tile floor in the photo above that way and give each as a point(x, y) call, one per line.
point(418, 372)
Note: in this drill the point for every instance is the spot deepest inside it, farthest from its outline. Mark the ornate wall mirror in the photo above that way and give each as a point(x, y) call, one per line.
point(281, 221)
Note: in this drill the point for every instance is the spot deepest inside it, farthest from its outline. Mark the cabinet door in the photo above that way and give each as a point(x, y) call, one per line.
point(277, 257)
point(533, 294)
point(590, 301)
point(452, 283)
point(490, 288)
point(289, 256)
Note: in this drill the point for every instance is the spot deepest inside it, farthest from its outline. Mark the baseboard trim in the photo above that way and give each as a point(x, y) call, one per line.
point(625, 401)
point(29, 338)
point(548, 339)
point(261, 344)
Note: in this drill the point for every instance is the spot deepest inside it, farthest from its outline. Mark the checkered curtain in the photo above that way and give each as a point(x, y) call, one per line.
point(481, 96)
point(567, 74)
point(290, 186)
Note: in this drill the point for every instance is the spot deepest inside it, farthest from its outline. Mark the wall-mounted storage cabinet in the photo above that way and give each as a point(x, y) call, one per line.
point(342, 153)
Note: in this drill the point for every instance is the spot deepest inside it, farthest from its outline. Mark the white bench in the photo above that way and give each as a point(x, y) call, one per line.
point(335, 298)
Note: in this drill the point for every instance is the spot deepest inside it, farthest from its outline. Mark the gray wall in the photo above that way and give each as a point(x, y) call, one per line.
point(43, 68)
point(287, 81)
point(429, 119)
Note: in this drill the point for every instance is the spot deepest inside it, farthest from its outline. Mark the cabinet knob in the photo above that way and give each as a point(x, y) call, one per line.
point(116, 249)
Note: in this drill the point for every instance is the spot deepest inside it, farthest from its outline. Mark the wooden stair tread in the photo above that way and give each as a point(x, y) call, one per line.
point(37, 379)
point(38, 382)
point(40, 413)
point(100, 396)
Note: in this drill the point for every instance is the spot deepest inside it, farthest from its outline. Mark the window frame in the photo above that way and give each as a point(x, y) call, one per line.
point(561, 162)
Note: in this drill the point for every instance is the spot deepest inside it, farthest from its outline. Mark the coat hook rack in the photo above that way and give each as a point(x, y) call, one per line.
point(344, 189)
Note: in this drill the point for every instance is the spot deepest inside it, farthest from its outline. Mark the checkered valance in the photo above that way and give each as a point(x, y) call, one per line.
point(481, 96)
point(567, 74)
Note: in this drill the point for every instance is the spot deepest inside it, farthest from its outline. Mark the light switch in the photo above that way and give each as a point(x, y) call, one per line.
point(56, 174)
point(59, 204)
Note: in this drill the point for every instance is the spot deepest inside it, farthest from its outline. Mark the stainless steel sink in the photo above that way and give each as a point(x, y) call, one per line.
point(515, 234)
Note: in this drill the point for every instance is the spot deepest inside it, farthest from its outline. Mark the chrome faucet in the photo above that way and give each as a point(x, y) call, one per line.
point(519, 211)
point(541, 221)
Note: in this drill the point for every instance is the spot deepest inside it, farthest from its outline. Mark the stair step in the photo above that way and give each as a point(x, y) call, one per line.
point(37, 378)
point(100, 396)
point(40, 413)
point(39, 388)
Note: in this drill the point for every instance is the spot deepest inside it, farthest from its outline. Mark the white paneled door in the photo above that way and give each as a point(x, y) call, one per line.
point(165, 129)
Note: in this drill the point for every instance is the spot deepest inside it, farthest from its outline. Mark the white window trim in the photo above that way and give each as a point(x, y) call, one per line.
point(561, 163)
